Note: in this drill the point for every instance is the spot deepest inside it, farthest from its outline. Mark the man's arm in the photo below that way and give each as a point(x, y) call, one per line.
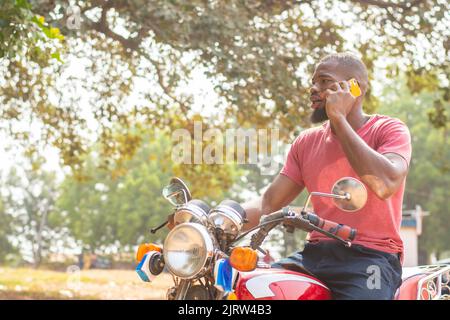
point(383, 174)
point(280, 193)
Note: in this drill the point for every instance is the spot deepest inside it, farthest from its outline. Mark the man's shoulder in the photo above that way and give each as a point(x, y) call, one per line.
point(381, 120)
point(387, 127)
point(312, 132)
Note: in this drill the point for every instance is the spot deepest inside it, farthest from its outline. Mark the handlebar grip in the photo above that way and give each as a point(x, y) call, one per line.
point(258, 237)
point(340, 230)
point(274, 216)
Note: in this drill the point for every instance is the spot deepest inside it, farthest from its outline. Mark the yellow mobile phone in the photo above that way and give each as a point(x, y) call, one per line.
point(355, 90)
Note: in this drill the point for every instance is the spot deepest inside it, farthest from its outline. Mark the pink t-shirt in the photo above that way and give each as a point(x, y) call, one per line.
point(316, 161)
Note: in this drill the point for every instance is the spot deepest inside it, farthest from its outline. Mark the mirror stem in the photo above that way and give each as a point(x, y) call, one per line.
point(345, 196)
point(159, 227)
point(307, 202)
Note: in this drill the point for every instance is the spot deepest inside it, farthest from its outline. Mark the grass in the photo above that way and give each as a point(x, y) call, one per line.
point(26, 283)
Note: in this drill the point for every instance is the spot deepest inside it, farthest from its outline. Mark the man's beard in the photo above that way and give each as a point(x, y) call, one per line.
point(319, 115)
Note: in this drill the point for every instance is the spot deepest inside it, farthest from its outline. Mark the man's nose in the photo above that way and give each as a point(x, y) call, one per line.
point(314, 89)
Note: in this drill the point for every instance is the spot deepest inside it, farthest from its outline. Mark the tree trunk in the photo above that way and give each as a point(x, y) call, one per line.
point(38, 253)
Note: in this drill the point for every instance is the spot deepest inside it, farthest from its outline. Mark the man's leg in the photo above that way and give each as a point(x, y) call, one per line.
point(355, 273)
point(297, 262)
point(358, 273)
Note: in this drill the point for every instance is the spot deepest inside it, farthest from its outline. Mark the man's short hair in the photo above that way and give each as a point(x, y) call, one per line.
point(352, 64)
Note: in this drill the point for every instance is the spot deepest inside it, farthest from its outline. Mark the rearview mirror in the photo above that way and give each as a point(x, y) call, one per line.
point(177, 193)
point(348, 194)
point(355, 189)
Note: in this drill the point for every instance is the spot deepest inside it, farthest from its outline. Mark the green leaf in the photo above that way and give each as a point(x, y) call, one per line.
point(57, 56)
point(24, 4)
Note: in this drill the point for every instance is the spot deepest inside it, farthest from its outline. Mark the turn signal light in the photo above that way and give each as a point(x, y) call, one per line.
point(243, 259)
point(232, 296)
point(145, 248)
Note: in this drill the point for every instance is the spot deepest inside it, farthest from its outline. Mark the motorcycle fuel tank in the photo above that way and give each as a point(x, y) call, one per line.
point(279, 284)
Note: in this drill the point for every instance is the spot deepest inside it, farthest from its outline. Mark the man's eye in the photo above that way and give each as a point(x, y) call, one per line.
point(322, 81)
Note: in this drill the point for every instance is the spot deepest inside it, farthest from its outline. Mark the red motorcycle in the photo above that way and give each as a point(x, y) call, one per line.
point(201, 254)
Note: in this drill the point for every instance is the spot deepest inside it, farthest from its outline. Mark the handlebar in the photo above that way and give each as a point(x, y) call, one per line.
point(342, 231)
point(345, 232)
point(295, 217)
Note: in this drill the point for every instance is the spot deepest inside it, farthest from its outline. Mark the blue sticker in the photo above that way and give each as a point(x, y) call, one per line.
point(139, 271)
point(142, 275)
point(225, 275)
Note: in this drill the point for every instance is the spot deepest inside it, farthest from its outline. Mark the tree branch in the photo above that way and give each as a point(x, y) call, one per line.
point(385, 5)
point(133, 44)
point(102, 25)
point(165, 88)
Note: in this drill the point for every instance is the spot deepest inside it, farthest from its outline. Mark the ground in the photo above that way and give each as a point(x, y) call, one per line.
point(25, 283)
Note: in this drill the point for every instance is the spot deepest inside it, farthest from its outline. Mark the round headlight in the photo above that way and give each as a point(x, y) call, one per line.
point(187, 250)
point(229, 217)
point(194, 211)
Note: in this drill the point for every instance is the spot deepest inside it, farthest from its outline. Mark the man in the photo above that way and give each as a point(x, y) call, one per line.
point(376, 150)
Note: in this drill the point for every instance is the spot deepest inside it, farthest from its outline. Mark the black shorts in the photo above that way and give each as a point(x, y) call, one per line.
point(350, 273)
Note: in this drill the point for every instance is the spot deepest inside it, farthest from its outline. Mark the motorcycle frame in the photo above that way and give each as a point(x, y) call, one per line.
point(436, 275)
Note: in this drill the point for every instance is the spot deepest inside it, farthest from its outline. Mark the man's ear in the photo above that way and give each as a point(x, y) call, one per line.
point(364, 87)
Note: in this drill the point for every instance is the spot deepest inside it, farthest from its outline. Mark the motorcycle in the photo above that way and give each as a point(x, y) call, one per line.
point(202, 255)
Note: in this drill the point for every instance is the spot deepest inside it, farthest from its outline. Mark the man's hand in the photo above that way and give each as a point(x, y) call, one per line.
point(339, 101)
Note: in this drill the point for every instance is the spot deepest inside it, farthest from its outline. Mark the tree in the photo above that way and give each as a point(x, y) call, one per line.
point(116, 212)
point(29, 196)
point(24, 33)
point(428, 179)
point(6, 247)
point(258, 54)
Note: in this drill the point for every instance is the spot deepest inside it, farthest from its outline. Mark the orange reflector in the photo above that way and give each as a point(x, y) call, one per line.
point(145, 248)
point(243, 259)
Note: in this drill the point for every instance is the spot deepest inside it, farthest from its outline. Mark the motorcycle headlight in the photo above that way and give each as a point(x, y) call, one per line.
point(188, 248)
point(194, 211)
point(229, 217)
